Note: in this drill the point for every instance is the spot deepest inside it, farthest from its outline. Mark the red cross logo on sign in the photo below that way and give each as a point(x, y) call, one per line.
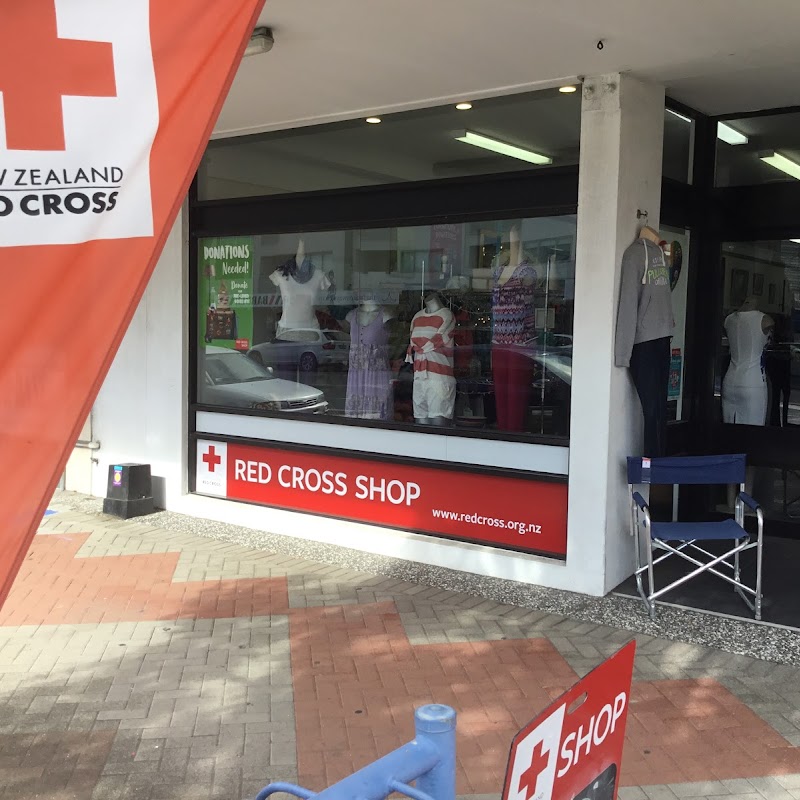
point(212, 459)
point(574, 747)
point(540, 760)
point(38, 69)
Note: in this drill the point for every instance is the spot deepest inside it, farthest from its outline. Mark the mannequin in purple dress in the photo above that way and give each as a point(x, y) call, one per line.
point(369, 376)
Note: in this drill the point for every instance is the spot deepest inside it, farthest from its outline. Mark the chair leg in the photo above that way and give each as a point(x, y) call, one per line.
point(759, 557)
point(651, 604)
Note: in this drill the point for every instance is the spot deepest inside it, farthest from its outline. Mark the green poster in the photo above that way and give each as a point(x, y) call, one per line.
point(226, 291)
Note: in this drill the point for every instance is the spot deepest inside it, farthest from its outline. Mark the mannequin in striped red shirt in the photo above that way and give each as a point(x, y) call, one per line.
point(434, 394)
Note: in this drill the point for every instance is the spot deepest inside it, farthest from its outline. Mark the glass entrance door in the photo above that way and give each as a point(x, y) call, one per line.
point(757, 373)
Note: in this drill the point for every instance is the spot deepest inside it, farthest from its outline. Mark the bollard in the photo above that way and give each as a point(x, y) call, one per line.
point(430, 760)
point(437, 725)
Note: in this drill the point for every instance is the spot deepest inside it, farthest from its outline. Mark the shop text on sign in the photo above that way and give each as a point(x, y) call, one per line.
point(517, 513)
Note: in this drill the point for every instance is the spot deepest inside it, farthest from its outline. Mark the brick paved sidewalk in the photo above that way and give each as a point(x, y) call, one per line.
point(137, 662)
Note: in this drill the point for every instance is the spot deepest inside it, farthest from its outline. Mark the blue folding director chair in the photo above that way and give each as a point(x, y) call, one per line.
point(687, 539)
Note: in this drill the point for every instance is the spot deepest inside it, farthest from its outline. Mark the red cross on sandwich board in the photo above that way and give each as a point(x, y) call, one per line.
point(539, 763)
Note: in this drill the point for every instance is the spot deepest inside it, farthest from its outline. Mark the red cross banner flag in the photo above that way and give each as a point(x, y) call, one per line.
point(106, 107)
point(573, 749)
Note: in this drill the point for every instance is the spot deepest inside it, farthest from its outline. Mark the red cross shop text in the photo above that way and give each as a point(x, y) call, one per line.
point(447, 500)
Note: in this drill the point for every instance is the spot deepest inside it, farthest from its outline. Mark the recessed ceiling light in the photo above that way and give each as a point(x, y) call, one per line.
point(373, 120)
point(782, 163)
point(463, 106)
point(567, 89)
point(496, 146)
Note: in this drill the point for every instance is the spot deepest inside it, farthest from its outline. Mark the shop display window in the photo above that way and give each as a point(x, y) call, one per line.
point(758, 367)
point(677, 163)
point(542, 129)
point(756, 150)
point(676, 245)
point(461, 326)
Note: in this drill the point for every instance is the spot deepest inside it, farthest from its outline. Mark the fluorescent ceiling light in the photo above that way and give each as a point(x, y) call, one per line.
point(782, 163)
point(679, 116)
point(496, 146)
point(730, 135)
point(260, 42)
point(796, 241)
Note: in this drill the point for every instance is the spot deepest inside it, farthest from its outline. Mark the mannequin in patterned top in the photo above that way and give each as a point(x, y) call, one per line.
point(513, 331)
point(431, 347)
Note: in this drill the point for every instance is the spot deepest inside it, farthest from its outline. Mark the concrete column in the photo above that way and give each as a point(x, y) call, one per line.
point(622, 128)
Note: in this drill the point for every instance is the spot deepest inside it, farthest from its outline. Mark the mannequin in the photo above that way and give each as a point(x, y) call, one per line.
point(434, 393)
point(369, 376)
point(513, 330)
point(744, 387)
point(299, 282)
point(644, 328)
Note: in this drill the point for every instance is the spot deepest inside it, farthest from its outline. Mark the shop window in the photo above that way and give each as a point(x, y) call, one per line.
point(543, 127)
point(676, 250)
point(757, 150)
point(677, 159)
point(758, 368)
point(449, 326)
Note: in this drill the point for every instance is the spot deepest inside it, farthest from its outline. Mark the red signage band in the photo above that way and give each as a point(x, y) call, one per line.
point(511, 512)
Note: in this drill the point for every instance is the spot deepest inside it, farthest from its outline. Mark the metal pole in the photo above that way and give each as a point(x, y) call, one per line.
point(436, 724)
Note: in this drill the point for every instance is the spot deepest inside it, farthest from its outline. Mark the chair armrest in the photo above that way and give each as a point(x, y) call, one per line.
point(639, 500)
point(748, 501)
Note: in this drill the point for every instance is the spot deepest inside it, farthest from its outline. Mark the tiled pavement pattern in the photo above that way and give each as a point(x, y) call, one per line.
point(137, 662)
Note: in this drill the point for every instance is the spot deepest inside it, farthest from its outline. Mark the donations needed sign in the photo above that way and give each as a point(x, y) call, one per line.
point(106, 107)
point(517, 513)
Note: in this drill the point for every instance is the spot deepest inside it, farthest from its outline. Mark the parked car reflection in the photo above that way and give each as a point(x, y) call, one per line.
point(304, 348)
point(230, 378)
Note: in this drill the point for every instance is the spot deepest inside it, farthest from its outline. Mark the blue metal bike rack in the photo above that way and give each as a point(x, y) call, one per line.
point(430, 760)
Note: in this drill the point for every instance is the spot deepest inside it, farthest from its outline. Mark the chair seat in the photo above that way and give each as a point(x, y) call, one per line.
point(687, 531)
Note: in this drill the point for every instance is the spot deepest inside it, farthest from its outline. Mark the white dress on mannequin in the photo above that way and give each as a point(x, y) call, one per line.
point(744, 388)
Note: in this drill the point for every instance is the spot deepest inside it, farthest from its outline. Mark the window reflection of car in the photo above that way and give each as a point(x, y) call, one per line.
point(304, 348)
point(229, 378)
point(554, 364)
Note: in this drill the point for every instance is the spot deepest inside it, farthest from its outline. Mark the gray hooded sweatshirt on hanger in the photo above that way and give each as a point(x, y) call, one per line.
point(645, 299)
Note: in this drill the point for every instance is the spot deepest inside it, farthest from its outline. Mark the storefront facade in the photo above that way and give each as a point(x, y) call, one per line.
point(398, 336)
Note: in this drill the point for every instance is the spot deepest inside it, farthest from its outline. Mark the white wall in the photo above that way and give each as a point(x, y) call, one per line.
point(140, 413)
point(620, 172)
